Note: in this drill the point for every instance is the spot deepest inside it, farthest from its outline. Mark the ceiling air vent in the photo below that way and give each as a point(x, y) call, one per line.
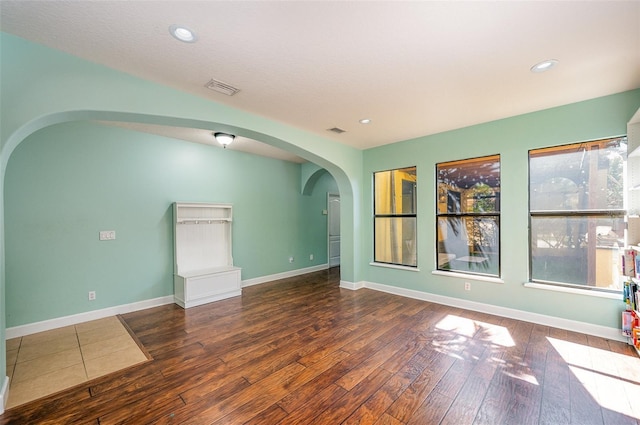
point(337, 130)
point(221, 87)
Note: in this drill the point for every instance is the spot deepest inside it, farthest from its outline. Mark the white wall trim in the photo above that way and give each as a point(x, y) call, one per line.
point(354, 286)
point(59, 322)
point(283, 275)
point(4, 394)
point(575, 291)
point(394, 266)
point(541, 319)
point(467, 276)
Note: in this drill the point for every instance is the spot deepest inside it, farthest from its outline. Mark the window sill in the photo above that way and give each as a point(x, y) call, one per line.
point(468, 276)
point(395, 266)
point(587, 292)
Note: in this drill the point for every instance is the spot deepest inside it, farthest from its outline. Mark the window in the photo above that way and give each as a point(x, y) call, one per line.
point(468, 216)
point(577, 216)
point(395, 217)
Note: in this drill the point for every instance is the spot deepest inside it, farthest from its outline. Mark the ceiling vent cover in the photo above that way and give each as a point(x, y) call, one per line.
point(221, 87)
point(337, 130)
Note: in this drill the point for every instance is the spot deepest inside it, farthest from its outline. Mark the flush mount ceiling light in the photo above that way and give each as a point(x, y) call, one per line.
point(224, 139)
point(544, 65)
point(182, 33)
point(365, 121)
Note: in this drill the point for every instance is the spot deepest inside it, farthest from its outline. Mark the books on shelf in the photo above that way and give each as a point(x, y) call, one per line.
point(630, 295)
point(628, 265)
point(627, 323)
point(631, 316)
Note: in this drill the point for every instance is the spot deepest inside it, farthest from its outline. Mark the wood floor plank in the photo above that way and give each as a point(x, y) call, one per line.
point(213, 408)
point(432, 410)
point(364, 369)
point(584, 408)
point(474, 387)
point(312, 406)
point(387, 419)
point(328, 371)
point(302, 350)
point(379, 402)
point(343, 407)
point(273, 415)
point(148, 410)
point(437, 365)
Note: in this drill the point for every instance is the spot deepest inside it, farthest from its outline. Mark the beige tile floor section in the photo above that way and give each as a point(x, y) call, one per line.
point(48, 362)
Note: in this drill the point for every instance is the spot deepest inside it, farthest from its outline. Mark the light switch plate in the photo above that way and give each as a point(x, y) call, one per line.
point(107, 235)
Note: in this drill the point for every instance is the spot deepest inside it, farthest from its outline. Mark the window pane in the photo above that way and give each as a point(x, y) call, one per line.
point(585, 176)
point(578, 250)
point(395, 240)
point(469, 186)
point(469, 244)
point(395, 191)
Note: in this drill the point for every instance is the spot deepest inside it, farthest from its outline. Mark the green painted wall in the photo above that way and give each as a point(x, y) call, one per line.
point(67, 182)
point(511, 138)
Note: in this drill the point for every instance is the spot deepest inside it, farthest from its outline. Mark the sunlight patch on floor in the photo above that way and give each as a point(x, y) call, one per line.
point(495, 334)
point(610, 378)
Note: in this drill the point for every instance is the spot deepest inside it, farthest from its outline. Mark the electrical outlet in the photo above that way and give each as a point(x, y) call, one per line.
point(107, 235)
point(310, 257)
point(291, 259)
point(92, 295)
point(467, 286)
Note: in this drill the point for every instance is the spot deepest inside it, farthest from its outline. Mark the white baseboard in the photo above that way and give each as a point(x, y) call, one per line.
point(541, 319)
point(283, 275)
point(354, 286)
point(59, 322)
point(4, 394)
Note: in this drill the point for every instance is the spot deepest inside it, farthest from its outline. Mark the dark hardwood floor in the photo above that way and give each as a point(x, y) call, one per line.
point(304, 351)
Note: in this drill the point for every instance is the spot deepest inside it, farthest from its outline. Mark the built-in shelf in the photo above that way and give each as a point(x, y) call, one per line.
point(202, 220)
point(204, 270)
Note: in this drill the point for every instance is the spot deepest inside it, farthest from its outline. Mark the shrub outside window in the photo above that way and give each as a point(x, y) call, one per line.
point(577, 215)
point(395, 216)
point(468, 216)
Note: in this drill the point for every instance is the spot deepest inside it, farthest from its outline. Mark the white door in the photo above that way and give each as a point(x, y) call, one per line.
point(334, 229)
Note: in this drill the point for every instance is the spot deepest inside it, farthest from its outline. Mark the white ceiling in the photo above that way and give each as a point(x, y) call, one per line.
point(413, 68)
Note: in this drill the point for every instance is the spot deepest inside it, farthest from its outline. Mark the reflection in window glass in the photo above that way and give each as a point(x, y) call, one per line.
point(576, 198)
point(395, 216)
point(584, 176)
point(468, 211)
point(561, 250)
point(395, 240)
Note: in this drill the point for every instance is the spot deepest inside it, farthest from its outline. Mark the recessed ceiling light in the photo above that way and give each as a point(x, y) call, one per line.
point(365, 121)
point(544, 65)
point(183, 33)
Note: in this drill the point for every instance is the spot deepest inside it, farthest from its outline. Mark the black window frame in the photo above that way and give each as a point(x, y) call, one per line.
point(457, 213)
point(413, 215)
point(570, 214)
